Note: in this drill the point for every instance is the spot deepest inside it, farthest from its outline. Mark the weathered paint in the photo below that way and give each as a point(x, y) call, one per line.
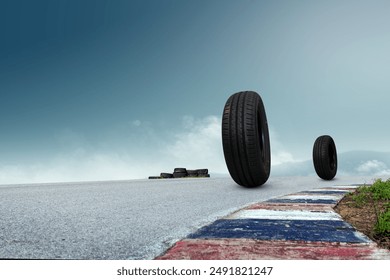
point(285, 215)
point(312, 196)
point(347, 186)
point(308, 198)
point(333, 189)
point(292, 206)
point(248, 249)
point(310, 230)
point(325, 192)
point(313, 201)
point(307, 230)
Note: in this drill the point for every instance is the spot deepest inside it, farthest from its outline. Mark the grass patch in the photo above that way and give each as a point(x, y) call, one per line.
point(378, 195)
point(383, 224)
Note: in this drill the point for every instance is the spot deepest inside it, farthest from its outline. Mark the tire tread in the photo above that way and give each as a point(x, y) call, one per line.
point(321, 160)
point(240, 142)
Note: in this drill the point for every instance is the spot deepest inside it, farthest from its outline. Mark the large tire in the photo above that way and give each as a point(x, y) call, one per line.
point(325, 157)
point(245, 139)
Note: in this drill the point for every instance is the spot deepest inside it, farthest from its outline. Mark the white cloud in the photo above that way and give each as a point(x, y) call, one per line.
point(279, 154)
point(78, 167)
point(199, 144)
point(196, 143)
point(374, 167)
point(136, 123)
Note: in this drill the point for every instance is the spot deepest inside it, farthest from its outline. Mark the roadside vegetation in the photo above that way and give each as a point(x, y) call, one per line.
point(378, 195)
point(368, 210)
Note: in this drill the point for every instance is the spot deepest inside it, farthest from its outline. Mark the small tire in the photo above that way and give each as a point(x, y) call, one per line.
point(180, 170)
point(325, 157)
point(179, 175)
point(202, 171)
point(166, 175)
point(192, 173)
point(245, 139)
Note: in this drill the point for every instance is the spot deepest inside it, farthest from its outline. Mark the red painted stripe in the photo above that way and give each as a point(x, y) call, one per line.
point(248, 249)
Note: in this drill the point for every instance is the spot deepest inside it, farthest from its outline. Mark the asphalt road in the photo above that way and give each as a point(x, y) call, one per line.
point(136, 219)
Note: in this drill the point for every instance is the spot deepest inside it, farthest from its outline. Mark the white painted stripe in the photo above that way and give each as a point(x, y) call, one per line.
point(345, 187)
point(328, 190)
point(311, 196)
point(284, 215)
point(380, 254)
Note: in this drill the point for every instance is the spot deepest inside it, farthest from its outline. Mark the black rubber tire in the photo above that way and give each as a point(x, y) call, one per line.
point(166, 175)
point(325, 157)
point(245, 139)
point(202, 171)
point(192, 173)
point(180, 170)
point(179, 174)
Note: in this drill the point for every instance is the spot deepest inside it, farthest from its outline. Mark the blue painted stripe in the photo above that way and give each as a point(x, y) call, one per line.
point(324, 192)
point(327, 231)
point(315, 201)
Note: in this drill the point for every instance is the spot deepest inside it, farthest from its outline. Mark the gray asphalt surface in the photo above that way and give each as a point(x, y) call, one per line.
point(136, 219)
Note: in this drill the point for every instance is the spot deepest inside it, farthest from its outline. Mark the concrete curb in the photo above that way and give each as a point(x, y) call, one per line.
point(297, 226)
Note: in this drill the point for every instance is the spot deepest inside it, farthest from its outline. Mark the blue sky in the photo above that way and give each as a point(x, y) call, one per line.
point(126, 89)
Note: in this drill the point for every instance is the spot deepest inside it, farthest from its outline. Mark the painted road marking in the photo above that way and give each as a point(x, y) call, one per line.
point(297, 226)
point(248, 249)
point(307, 230)
point(285, 215)
point(309, 198)
point(290, 206)
point(326, 192)
point(346, 187)
point(313, 201)
point(313, 197)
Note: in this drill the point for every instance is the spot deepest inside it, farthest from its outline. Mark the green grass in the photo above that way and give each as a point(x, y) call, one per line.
point(379, 195)
point(383, 224)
